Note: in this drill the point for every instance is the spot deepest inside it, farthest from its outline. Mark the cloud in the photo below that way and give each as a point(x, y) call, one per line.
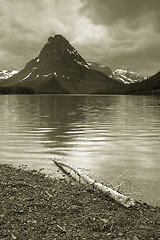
point(132, 32)
point(107, 31)
point(26, 25)
point(137, 50)
point(109, 12)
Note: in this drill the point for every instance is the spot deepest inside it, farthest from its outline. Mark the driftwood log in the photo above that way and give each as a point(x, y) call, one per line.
point(122, 199)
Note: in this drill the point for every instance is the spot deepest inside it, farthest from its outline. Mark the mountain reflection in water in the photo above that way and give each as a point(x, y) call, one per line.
point(104, 134)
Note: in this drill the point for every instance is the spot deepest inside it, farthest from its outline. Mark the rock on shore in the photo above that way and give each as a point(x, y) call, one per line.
point(34, 206)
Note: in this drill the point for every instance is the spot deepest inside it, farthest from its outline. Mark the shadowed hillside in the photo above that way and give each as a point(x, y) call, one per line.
point(60, 69)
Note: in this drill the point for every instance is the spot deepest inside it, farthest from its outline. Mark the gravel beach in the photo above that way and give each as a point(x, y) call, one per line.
point(34, 206)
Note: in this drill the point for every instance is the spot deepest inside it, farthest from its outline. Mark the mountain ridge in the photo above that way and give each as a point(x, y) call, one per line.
point(123, 74)
point(149, 86)
point(6, 73)
point(102, 68)
point(127, 76)
point(59, 68)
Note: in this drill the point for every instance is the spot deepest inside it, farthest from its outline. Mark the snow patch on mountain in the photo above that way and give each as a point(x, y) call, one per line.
point(46, 75)
point(82, 64)
point(127, 76)
point(70, 51)
point(4, 74)
point(26, 77)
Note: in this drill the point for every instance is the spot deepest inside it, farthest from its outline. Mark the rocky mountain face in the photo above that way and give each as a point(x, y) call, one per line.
point(102, 68)
point(5, 74)
point(121, 74)
point(134, 83)
point(127, 76)
point(60, 69)
point(149, 86)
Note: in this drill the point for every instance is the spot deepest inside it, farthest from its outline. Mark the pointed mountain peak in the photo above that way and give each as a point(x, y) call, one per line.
point(57, 38)
point(127, 76)
point(59, 68)
point(58, 49)
point(50, 39)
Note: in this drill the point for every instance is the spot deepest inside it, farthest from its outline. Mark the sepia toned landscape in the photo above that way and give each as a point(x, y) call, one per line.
point(79, 120)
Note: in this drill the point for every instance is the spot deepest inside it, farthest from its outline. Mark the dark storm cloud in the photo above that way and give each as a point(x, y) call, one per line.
point(26, 25)
point(113, 32)
point(132, 32)
point(109, 12)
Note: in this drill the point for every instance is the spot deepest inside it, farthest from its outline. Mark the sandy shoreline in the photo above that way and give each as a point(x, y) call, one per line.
point(35, 206)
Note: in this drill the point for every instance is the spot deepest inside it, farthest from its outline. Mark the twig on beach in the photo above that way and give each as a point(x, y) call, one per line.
point(48, 194)
point(118, 186)
point(122, 199)
point(118, 177)
point(61, 228)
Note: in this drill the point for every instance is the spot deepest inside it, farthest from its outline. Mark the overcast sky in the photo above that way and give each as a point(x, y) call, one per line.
point(112, 32)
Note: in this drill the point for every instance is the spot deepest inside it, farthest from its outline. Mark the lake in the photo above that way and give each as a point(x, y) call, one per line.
point(114, 138)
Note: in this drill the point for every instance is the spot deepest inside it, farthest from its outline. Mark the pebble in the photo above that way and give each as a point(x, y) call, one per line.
point(135, 238)
point(120, 234)
point(108, 234)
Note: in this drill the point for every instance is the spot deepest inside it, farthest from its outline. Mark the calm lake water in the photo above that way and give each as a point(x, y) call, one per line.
point(107, 135)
